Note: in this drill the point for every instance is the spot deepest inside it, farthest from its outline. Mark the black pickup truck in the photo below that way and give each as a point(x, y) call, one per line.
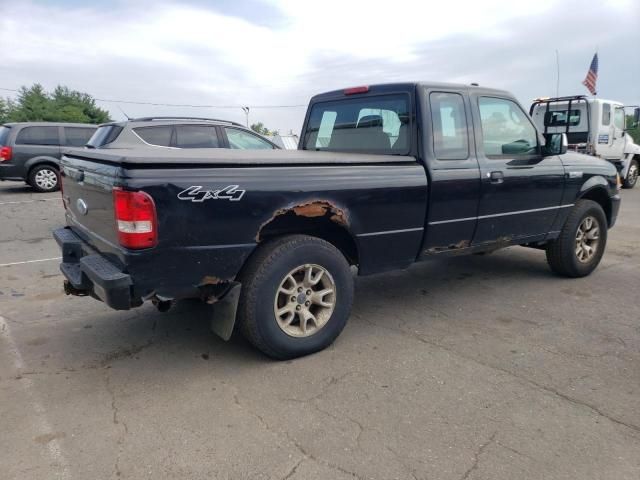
point(385, 176)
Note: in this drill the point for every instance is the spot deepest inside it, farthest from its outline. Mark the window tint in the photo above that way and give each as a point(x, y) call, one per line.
point(558, 118)
point(449, 126)
point(196, 136)
point(77, 137)
point(38, 136)
point(606, 114)
point(4, 135)
point(240, 139)
point(618, 118)
point(104, 135)
point(160, 135)
point(506, 129)
point(379, 124)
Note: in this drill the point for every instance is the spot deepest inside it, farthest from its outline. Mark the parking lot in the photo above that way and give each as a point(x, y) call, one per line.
point(481, 367)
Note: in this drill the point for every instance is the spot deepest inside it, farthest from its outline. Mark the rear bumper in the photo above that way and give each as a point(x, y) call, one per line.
point(90, 273)
point(10, 171)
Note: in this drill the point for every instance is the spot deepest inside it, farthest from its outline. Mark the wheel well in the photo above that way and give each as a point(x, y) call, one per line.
point(44, 162)
point(320, 227)
point(600, 196)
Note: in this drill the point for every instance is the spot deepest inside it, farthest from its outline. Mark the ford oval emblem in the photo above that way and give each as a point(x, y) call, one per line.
point(82, 206)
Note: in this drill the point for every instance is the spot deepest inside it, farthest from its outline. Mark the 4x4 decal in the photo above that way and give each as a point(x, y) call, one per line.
point(196, 194)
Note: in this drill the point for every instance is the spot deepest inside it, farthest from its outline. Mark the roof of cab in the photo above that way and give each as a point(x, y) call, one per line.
point(409, 86)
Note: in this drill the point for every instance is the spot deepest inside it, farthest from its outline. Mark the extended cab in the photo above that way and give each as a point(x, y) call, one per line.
point(384, 176)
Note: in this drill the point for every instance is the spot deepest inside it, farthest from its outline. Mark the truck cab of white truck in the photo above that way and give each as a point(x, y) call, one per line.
point(594, 126)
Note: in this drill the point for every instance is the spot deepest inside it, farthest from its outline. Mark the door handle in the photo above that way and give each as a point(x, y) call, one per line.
point(496, 177)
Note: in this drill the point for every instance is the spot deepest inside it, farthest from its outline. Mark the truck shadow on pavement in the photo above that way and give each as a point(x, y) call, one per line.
point(184, 334)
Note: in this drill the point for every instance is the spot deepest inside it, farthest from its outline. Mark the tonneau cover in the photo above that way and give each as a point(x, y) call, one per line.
point(221, 156)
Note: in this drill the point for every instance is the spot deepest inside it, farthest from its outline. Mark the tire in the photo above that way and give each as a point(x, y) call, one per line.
point(266, 277)
point(44, 178)
point(632, 175)
point(563, 253)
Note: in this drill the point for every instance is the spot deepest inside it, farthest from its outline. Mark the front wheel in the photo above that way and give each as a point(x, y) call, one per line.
point(632, 175)
point(579, 248)
point(296, 296)
point(44, 178)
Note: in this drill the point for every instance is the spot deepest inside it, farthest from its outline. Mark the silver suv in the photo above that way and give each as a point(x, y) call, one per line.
point(178, 132)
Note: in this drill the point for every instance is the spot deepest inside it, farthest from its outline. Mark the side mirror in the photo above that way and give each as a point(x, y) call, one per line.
point(555, 144)
point(636, 115)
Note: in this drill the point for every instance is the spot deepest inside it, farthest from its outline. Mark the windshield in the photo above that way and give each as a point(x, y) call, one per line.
point(104, 135)
point(378, 124)
point(4, 134)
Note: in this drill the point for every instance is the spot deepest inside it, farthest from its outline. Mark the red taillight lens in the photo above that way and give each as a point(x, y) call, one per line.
point(135, 219)
point(354, 90)
point(5, 154)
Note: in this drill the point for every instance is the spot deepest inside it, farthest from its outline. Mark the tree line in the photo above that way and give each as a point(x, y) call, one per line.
point(34, 104)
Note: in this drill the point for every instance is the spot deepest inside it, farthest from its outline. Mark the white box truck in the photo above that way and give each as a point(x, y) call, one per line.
point(594, 126)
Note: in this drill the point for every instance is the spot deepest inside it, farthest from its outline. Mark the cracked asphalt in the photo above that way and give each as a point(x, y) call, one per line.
point(481, 367)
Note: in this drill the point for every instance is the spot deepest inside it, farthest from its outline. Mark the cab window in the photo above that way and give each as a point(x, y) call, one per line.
point(378, 124)
point(618, 118)
point(506, 130)
point(449, 126)
point(606, 114)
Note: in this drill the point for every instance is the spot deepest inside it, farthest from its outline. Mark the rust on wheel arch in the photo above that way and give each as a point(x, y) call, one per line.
point(310, 209)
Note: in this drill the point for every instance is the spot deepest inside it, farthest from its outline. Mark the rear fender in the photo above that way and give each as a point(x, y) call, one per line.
point(32, 162)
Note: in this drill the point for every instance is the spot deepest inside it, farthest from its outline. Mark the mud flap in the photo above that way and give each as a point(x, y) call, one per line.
point(224, 312)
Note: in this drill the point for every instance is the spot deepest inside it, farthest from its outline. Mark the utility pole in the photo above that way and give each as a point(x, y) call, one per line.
point(246, 113)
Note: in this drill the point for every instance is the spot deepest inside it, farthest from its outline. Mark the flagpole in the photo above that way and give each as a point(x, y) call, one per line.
point(557, 74)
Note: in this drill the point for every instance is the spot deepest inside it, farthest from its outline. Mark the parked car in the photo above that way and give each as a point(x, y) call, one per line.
point(384, 176)
point(594, 126)
point(31, 151)
point(178, 132)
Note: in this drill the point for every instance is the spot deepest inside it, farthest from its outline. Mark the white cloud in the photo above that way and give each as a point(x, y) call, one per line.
point(175, 53)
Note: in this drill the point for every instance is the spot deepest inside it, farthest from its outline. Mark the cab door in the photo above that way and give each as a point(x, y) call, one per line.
point(617, 134)
point(521, 190)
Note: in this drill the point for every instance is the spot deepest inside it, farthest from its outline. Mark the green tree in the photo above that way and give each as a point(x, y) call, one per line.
point(5, 106)
point(63, 105)
point(261, 129)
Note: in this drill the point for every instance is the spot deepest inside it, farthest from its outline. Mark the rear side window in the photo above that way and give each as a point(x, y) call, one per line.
point(559, 118)
point(4, 135)
point(160, 135)
point(377, 124)
point(77, 136)
point(196, 136)
point(606, 114)
point(239, 139)
point(449, 122)
point(506, 130)
point(38, 136)
point(104, 135)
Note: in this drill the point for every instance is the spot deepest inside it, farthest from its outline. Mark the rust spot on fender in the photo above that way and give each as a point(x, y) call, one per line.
point(211, 280)
point(454, 246)
point(310, 209)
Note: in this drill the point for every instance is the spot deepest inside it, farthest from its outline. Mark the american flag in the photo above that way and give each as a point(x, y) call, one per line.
point(592, 76)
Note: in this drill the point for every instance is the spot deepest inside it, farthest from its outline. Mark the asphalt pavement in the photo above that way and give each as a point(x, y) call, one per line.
point(479, 367)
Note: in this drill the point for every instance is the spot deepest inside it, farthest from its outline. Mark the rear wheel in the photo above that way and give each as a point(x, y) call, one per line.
point(579, 248)
point(296, 296)
point(44, 178)
point(632, 175)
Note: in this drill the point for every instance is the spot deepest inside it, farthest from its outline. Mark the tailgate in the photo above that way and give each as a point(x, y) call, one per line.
point(87, 193)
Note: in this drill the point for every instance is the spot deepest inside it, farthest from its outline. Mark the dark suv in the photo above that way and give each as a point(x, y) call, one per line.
point(178, 132)
point(31, 151)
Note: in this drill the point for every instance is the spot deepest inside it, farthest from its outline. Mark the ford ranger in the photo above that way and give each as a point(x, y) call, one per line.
point(384, 176)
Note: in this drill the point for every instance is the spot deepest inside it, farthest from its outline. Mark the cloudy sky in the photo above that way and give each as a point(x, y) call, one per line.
point(281, 52)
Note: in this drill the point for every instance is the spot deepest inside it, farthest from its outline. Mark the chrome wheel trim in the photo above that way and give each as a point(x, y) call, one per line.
point(587, 239)
point(305, 300)
point(632, 176)
point(46, 179)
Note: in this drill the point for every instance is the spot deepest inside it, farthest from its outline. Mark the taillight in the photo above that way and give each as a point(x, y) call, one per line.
point(135, 219)
point(5, 154)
